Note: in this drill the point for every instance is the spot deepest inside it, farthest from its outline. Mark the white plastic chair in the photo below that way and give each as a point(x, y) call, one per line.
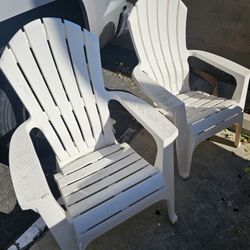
point(158, 31)
point(55, 69)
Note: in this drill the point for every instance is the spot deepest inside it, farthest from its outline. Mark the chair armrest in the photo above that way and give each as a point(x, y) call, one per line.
point(240, 73)
point(157, 125)
point(162, 130)
point(159, 95)
point(28, 179)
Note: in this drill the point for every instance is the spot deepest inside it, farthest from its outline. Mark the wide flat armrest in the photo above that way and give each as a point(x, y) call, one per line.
point(240, 73)
point(32, 189)
point(27, 176)
point(26, 172)
point(157, 125)
point(159, 95)
point(222, 63)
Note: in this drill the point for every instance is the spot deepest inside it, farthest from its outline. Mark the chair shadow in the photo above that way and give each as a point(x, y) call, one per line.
point(217, 194)
point(13, 224)
point(122, 60)
point(221, 140)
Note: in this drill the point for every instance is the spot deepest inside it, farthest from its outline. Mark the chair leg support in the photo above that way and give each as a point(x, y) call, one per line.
point(237, 134)
point(64, 235)
point(169, 177)
point(184, 157)
point(165, 163)
point(184, 144)
point(55, 218)
point(171, 211)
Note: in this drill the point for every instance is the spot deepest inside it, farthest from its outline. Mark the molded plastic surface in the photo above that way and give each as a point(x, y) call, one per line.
point(55, 69)
point(158, 31)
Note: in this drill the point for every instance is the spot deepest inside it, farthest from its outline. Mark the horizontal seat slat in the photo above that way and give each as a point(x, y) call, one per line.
point(191, 100)
point(215, 119)
point(92, 168)
point(90, 158)
point(118, 203)
point(186, 95)
point(203, 113)
point(101, 174)
point(208, 105)
point(192, 109)
point(111, 191)
point(104, 183)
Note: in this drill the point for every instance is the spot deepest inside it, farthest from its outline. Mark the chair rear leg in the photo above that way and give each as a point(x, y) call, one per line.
point(237, 134)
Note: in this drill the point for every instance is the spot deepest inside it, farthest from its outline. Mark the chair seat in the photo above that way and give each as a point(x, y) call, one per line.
point(205, 111)
point(105, 183)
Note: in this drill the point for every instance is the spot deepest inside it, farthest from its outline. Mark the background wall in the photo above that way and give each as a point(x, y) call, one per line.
point(221, 27)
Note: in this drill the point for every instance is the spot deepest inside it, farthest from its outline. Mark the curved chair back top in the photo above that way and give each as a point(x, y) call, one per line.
point(54, 67)
point(158, 30)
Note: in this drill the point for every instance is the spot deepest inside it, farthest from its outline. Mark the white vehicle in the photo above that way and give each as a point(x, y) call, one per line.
point(102, 17)
point(105, 18)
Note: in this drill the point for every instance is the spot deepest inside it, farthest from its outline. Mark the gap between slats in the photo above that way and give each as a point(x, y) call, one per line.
point(102, 173)
point(209, 111)
point(104, 183)
point(132, 196)
point(92, 168)
point(90, 159)
point(122, 186)
point(120, 211)
point(66, 118)
point(143, 43)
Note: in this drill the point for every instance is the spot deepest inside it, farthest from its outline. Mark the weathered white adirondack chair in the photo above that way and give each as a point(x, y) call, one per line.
point(158, 32)
point(55, 69)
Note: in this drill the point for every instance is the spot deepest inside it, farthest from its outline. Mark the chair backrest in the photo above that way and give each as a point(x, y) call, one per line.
point(55, 68)
point(158, 30)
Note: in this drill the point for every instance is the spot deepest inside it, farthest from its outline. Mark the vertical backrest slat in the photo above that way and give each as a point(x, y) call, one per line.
point(96, 78)
point(153, 23)
point(158, 31)
point(173, 42)
point(54, 31)
point(163, 8)
point(8, 65)
point(182, 18)
point(61, 85)
point(61, 55)
point(28, 65)
point(76, 39)
point(139, 45)
point(143, 20)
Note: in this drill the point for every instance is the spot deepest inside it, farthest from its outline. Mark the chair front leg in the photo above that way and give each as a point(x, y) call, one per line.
point(184, 143)
point(165, 163)
point(184, 151)
point(58, 224)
